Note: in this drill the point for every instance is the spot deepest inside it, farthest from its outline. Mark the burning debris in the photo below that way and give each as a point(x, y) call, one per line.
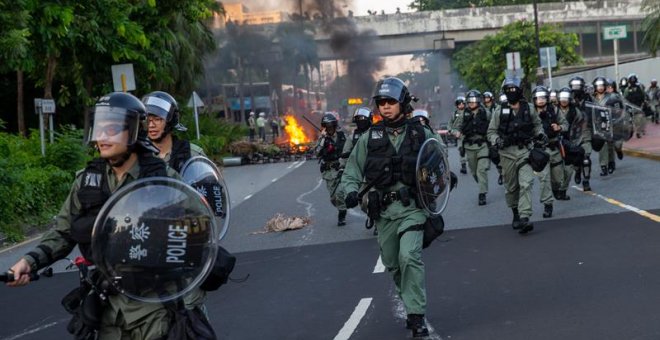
point(281, 223)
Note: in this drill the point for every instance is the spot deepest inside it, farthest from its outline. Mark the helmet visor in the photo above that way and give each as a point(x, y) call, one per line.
point(392, 90)
point(158, 106)
point(113, 125)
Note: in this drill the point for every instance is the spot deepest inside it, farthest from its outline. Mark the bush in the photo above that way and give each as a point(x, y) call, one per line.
point(215, 134)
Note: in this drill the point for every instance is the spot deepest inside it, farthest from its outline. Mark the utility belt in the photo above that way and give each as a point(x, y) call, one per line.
point(378, 201)
point(325, 166)
point(479, 141)
point(554, 146)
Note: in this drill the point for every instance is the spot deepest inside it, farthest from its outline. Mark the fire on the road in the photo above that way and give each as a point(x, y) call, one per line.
point(295, 131)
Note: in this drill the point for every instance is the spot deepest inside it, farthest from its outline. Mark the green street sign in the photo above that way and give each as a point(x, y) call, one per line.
point(615, 32)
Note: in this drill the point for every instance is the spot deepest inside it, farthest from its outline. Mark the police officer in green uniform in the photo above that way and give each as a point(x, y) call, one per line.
point(329, 150)
point(513, 129)
point(580, 98)
point(575, 135)
point(384, 159)
point(460, 107)
point(654, 97)
point(421, 117)
point(125, 155)
point(552, 176)
point(616, 98)
point(606, 153)
point(163, 118)
point(472, 127)
point(635, 94)
point(491, 106)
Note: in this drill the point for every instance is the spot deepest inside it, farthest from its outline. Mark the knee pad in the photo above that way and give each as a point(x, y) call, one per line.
point(586, 168)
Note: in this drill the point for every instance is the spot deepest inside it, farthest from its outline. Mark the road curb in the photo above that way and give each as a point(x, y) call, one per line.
point(641, 154)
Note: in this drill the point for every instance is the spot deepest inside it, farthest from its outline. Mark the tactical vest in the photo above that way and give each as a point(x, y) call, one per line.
point(94, 192)
point(517, 129)
point(549, 117)
point(338, 146)
point(635, 95)
point(384, 165)
point(574, 125)
point(475, 125)
point(356, 136)
point(180, 153)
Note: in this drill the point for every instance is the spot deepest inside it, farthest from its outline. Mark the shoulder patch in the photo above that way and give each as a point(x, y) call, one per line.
point(506, 111)
point(92, 180)
point(377, 134)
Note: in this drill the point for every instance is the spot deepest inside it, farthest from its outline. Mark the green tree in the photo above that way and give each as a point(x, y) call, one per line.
point(14, 48)
point(651, 24)
point(482, 64)
point(434, 5)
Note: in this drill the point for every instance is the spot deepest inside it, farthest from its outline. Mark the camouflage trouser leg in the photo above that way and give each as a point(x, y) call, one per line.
point(153, 326)
point(556, 170)
point(518, 181)
point(337, 199)
point(479, 164)
point(604, 154)
point(402, 256)
point(546, 191)
point(569, 170)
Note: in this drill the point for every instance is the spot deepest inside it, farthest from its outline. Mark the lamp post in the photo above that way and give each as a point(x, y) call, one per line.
point(539, 70)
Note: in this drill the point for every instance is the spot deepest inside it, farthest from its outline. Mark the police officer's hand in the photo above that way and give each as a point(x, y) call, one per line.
point(555, 127)
point(454, 181)
point(323, 132)
point(21, 272)
point(457, 134)
point(351, 199)
point(499, 143)
point(542, 139)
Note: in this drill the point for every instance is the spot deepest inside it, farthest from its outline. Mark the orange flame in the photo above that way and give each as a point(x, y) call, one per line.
point(376, 118)
point(295, 131)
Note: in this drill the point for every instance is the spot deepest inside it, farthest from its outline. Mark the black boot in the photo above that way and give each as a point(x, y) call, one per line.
point(619, 152)
point(482, 199)
point(341, 218)
point(611, 166)
point(463, 169)
point(525, 225)
point(603, 170)
point(375, 231)
point(578, 176)
point(562, 196)
point(500, 180)
point(516, 219)
point(418, 325)
point(586, 186)
point(547, 210)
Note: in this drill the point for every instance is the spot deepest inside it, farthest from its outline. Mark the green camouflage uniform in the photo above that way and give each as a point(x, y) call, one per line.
point(452, 126)
point(401, 254)
point(552, 176)
point(330, 173)
point(476, 149)
point(518, 174)
point(123, 318)
point(580, 135)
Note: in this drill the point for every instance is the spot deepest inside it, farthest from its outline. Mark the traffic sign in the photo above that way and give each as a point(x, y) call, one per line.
point(548, 53)
point(123, 78)
point(48, 105)
point(615, 32)
point(513, 61)
point(195, 100)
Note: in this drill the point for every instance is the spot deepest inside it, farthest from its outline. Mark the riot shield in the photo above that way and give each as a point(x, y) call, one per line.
point(433, 177)
point(202, 174)
point(155, 239)
point(609, 123)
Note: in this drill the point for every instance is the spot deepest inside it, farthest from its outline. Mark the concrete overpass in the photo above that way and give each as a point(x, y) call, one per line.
point(407, 33)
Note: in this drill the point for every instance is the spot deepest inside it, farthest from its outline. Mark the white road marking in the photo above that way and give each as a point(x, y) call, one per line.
point(309, 206)
point(274, 180)
point(247, 197)
point(651, 216)
point(292, 165)
point(353, 321)
point(379, 268)
point(301, 163)
point(34, 330)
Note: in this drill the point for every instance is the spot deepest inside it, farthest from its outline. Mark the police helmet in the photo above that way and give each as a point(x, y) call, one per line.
point(512, 90)
point(564, 94)
point(393, 88)
point(488, 94)
point(553, 95)
point(421, 113)
point(329, 119)
point(115, 113)
point(473, 96)
point(163, 105)
point(654, 82)
point(540, 92)
point(576, 84)
point(623, 82)
point(599, 82)
point(459, 100)
point(632, 79)
point(502, 98)
point(362, 113)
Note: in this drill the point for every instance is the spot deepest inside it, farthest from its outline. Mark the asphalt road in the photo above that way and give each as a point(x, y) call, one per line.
point(587, 273)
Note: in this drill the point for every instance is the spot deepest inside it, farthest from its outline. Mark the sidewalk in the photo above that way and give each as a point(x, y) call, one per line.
point(648, 146)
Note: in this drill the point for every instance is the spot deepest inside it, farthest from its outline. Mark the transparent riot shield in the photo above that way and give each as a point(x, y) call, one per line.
point(433, 177)
point(202, 174)
point(155, 239)
point(609, 123)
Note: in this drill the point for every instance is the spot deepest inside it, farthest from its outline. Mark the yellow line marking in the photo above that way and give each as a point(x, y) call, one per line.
point(651, 216)
point(20, 244)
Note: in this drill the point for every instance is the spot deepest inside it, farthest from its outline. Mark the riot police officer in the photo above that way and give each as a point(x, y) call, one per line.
point(385, 158)
point(576, 145)
point(420, 116)
point(636, 95)
point(606, 153)
point(489, 104)
point(329, 150)
point(472, 127)
point(119, 134)
point(552, 176)
point(163, 118)
point(553, 98)
point(363, 118)
point(654, 97)
point(580, 98)
point(617, 101)
point(513, 129)
point(460, 107)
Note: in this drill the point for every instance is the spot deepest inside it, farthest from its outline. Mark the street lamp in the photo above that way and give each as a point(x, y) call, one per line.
point(539, 70)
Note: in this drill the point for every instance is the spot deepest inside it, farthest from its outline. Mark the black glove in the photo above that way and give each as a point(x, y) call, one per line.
point(454, 181)
point(542, 139)
point(351, 199)
point(499, 143)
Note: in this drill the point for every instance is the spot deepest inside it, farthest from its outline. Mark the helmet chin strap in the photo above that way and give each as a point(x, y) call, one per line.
point(119, 161)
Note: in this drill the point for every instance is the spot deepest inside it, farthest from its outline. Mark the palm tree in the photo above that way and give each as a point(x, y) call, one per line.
point(651, 24)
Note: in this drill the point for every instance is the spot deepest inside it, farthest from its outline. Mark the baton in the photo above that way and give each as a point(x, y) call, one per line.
point(309, 121)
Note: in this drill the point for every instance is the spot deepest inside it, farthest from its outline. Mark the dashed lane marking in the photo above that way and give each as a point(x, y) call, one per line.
point(299, 164)
point(652, 217)
point(274, 180)
point(293, 164)
point(379, 268)
point(247, 197)
point(353, 321)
